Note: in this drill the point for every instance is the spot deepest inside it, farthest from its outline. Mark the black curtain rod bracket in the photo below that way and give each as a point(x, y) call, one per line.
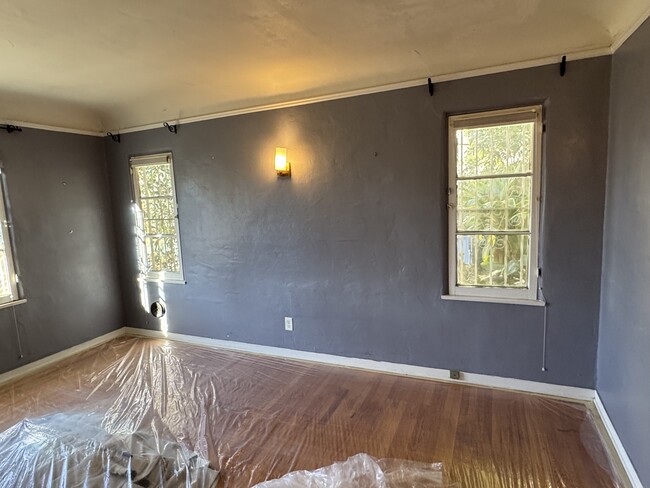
point(430, 83)
point(171, 128)
point(563, 66)
point(115, 137)
point(10, 128)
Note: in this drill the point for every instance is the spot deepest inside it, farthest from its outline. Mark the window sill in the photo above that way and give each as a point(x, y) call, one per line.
point(14, 303)
point(509, 301)
point(165, 282)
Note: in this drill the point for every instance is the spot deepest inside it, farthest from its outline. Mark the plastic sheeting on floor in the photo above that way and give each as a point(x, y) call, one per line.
point(363, 471)
point(151, 410)
point(63, 450)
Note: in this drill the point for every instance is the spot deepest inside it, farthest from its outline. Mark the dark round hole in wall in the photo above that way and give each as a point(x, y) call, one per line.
point(157, 309)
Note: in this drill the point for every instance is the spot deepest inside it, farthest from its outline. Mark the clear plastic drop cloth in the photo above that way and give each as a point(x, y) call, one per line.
point(364, 471)
point(143, 412)
point(74, 450)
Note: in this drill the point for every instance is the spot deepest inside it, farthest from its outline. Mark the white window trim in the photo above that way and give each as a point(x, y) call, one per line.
point(13, 303)
point(16, 297)
point(520, 296)
point(153, 159)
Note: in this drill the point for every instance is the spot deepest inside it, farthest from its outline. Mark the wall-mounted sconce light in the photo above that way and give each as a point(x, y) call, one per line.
point(282, 166)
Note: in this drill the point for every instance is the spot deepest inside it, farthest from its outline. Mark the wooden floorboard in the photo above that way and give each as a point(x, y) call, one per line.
point(257, 418)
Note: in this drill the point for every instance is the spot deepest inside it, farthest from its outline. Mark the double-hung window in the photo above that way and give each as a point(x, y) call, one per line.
point(156, 216)
point(9, 286)
point(494, 201)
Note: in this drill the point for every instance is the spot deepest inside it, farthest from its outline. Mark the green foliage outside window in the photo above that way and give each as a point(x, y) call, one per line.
point(493, 217)
point(156, 196)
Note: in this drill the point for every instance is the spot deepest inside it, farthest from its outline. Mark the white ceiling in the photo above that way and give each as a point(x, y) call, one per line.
point(114, 64)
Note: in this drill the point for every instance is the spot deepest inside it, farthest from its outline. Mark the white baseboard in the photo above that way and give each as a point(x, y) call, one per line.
point(618, 445)
point(567, 392)
point(35, 366)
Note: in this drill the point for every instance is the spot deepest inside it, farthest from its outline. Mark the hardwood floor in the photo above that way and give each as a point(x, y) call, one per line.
point(257, 418)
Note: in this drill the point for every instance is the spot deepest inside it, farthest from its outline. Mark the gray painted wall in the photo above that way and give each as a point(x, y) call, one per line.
point(623, 354)
point(65, 244)
point(354, 245)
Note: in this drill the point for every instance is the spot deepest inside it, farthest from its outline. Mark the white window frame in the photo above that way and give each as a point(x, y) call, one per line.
point(16, 296)
point(154, 276)
point(525, 296)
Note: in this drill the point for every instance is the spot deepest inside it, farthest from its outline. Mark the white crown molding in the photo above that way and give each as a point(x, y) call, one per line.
point(618, 445)
point(52, 128)
point(565, 392)
point(624, 35)
point(533, 63)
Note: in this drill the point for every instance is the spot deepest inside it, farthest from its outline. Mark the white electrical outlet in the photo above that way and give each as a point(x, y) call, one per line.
point(288, 324)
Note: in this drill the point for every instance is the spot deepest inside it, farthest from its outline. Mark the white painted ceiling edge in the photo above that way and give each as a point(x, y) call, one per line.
point(617, 41)
point(376, 89)
point(334, 96)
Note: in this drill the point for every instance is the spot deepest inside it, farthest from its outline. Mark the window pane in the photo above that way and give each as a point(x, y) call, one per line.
point(501, 204)
point(154, 180)
point(162, 254)
point(492, 260)
point(504, 149)
point(156, 227)
point(158, 208)
point(5, 279)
